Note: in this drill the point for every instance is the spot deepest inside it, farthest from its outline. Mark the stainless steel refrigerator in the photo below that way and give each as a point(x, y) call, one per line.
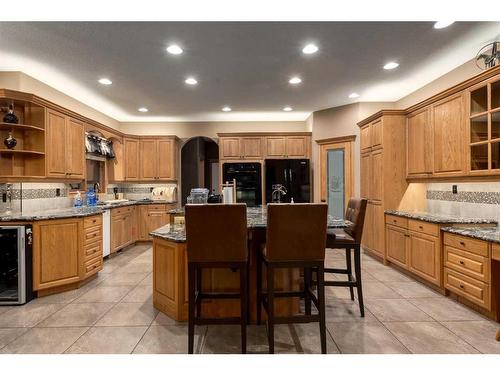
point(293, 174)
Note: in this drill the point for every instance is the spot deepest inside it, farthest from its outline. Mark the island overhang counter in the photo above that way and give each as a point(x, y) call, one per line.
point(170, 287)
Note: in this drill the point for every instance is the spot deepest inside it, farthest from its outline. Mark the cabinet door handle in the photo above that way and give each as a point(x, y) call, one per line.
point(462, 243)
point(462, 286)
point(462, 262)
point(420, 227)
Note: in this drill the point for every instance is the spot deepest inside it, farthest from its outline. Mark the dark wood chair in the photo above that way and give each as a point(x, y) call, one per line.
point(216, 237)
point(349, 239)
point(296, 235)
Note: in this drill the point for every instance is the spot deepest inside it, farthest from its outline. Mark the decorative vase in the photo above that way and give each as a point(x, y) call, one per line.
point(10, 117)
point(10, 142)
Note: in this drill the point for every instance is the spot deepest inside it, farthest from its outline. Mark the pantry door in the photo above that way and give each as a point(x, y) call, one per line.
point(336, 173)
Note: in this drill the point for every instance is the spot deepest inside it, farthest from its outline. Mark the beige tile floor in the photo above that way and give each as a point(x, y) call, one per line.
point(114, 314)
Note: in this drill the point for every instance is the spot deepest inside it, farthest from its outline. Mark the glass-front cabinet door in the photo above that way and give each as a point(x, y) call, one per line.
point(484, 128)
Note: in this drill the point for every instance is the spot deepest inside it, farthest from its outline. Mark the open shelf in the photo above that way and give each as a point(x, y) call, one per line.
point(8, 126)
point(30, 152)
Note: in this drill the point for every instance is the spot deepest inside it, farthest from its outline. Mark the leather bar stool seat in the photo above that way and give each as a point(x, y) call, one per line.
point(216, 237)
point(349, 239)
point(296, 235)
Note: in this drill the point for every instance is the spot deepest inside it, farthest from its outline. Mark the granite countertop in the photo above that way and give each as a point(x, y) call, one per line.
point(72, 212)
point(481, 233)
point(256, 218)
point(440, 219)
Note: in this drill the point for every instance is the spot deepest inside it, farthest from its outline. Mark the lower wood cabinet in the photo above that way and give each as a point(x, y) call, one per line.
point(152, 217)
point(57, 253)
point(124, 228)
point(416, 246)
point(373, 233)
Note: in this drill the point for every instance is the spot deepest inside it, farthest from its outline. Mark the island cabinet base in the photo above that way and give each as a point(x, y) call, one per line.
point(170, 284)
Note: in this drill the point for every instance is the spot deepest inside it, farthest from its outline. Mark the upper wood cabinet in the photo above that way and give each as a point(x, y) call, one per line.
point(290, 146)
point(241, 147)
point(260, 146)
point(116, 166)
point(366, 142)
point(419, 141)
point(158, 159)
point(65, 148)
point(131, 156)
point(372, 135)
point(448, 124)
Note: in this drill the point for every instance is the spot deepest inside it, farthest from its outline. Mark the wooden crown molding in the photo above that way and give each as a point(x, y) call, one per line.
point(347, 138)
point(35, 99)
point(262, 134)
point(482, 76)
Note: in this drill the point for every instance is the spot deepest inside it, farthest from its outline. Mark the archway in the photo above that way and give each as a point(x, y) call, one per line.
point(199, 166)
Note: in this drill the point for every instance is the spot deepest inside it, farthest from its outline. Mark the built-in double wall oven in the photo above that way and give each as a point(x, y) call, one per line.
point(16, 257)
point(248, 181)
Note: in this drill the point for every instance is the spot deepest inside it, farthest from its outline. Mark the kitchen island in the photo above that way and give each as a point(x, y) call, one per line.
point(170, 288)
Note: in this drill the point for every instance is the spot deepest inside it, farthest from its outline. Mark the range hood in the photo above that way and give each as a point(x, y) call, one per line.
point(98, 147)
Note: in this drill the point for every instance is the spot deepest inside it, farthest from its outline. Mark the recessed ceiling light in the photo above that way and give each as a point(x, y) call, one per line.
point(174, 49)
point(310, 49)
point(191, 81)
point(226, 109)
point(105, 81)
point(288, 109)
point(353, 95)
point(442, 24)
point(391, 65)
point(295, 80)
point(143, 109)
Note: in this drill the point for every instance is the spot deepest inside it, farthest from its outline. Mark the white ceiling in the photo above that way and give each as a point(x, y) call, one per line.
point(244, 65)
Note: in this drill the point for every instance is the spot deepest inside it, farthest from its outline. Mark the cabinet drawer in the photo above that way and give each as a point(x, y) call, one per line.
point(93, 250)
point(397, 221)
point(473, 290)
point(468, 244)
point(157, 207)
point(92, 234)
point(93, 266)
point(92, 221)
point(495, 252)
point(470, 264)
point(424, 227)
point(121, 210)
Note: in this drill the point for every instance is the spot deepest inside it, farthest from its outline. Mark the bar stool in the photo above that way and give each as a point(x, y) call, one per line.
point(296, 235)
point(216, 237)
point(349, 239)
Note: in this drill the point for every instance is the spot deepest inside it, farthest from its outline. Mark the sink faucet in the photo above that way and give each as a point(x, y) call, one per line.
point(278, 191)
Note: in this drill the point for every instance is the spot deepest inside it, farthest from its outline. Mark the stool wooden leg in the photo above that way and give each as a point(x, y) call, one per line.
point(321, 307)
point(357, 271)
point(348, 261)
point(243, 307)
point(198, 288)
point(307, 286)
point(191, 306)
point(259, 288)
point(270, 307)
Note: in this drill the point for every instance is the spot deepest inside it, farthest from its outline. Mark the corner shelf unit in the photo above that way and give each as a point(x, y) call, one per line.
point(27, 158)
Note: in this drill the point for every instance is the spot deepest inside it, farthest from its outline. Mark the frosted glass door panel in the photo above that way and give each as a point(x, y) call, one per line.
point(336, 183)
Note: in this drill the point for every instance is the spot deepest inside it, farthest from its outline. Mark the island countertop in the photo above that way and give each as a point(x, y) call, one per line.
point(256, 218)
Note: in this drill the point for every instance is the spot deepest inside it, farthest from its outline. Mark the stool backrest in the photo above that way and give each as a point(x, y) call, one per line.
point(355, 213)
point(296, 231)
point(216, 232)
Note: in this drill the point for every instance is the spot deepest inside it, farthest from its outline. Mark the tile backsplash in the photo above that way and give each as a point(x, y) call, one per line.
point(479, 199)
point(49, 196)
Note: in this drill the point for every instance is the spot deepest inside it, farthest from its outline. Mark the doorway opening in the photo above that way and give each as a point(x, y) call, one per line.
point(336, 173)
point(199, 166)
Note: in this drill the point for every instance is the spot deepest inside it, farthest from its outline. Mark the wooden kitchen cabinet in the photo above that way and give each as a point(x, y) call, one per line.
point(366, 142)
point(425, 257)
point(290, 146)
point(57, 253)
point(229, 148)
point(376, 186)
point(131, 156)
point(366, 168)
point(124, 227)
point(419, 152)
point(116, 166)
point(65, 147)
point(449, 148)
point(247, 147)
point(152, 217)
point(397, 249)
point(157, 159)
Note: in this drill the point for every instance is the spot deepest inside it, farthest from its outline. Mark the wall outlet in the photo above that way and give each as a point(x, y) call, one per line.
point(58, 192)
point(454, 189)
